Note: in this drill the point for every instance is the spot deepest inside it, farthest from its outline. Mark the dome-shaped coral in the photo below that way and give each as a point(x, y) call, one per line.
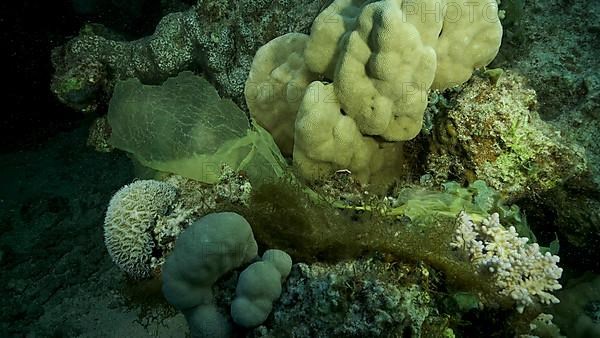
point(130, 218)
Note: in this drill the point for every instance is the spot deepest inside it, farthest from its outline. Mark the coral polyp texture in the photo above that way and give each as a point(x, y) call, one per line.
point(131, 215)
point(381, 58)
point(519, 270)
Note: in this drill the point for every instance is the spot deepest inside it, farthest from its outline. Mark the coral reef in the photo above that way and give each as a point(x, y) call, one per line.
point(438, 252)
point(488, 129)
point(99, 135)
point(184, 127)
point(377, 90)
point(493, 133)
point(144, 218)
point(364, 298)
point(561, 65)
point(218, 37)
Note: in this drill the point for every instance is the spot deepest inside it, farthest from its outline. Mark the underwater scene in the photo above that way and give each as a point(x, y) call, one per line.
point(300, 169)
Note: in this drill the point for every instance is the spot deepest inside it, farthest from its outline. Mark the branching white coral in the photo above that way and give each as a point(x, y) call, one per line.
point(519, 269)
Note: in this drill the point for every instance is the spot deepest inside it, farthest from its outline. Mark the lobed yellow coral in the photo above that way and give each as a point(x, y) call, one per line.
point(382, 58)
point(276, 85)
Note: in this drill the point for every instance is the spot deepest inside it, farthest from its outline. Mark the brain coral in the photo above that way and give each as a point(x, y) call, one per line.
point(131, 215)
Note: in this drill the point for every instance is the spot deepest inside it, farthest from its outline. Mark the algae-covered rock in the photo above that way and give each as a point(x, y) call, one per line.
point(365, 298)
point(219, 37)
point(494, 133)
point(184, 127)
